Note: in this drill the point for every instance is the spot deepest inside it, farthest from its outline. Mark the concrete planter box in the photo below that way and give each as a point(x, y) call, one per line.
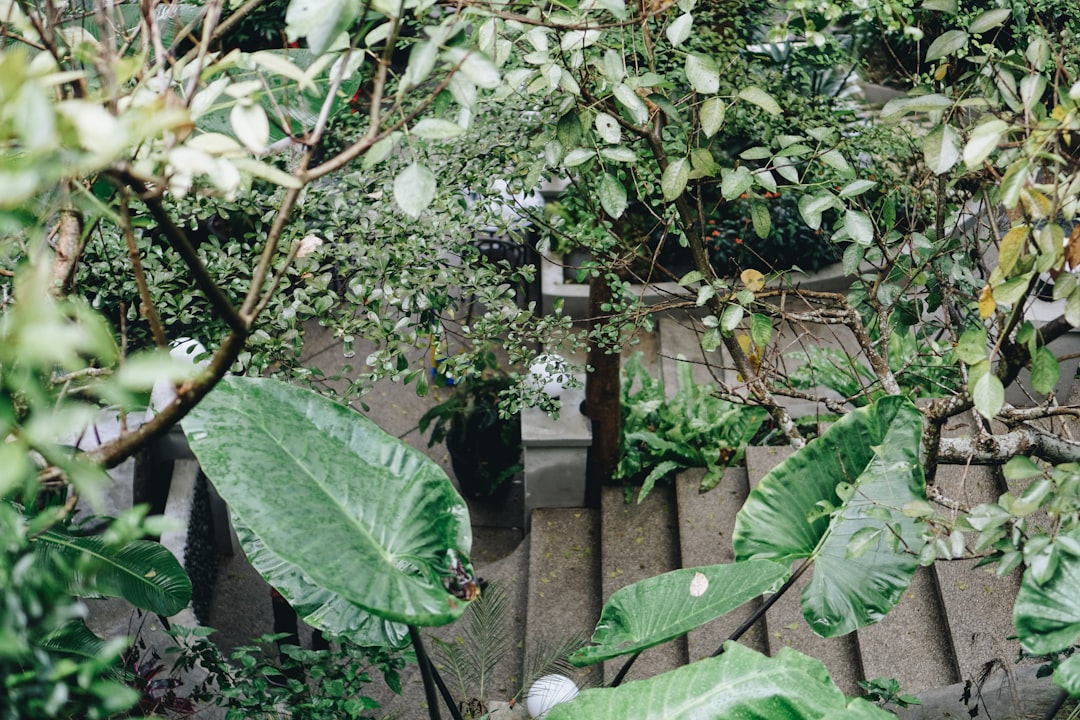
point(555, 454)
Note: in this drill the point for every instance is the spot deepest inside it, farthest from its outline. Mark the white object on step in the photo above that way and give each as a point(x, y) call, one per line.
point(547, 692)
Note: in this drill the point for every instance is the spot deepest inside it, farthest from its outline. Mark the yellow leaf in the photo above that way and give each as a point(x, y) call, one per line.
point(942, 70)
point(745, 343)
point(1072, 249)
point(986, 302)
point(1012, 246)
point(752, 279)
point(1036, 204)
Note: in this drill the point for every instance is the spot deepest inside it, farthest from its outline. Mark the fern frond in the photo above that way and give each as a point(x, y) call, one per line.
point(485, 639)
point(451, 656)
point(546, 658)
point(487, 634)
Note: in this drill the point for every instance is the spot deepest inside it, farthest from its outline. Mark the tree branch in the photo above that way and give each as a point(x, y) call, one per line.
point(69, 228)
point(179, 241)
point(188, 395)
point(997, 449)
point(147, 303)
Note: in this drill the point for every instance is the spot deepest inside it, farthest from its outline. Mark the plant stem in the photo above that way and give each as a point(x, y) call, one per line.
point(425, 672)
point(623, 670)
point(1059, 701)
point(445, 692)
point(760, 612)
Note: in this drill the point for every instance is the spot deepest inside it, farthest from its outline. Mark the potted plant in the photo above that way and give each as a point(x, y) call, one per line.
point(485, 447)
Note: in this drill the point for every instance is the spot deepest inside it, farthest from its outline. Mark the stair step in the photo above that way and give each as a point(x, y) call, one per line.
point(640, 541)
point(564, 581)
point(977, 603)
point(912, 643)
point(784, 622)
point(680, 337)
point(705, 524)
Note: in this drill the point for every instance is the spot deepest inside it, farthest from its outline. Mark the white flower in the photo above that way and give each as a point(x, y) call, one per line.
point(308, 245)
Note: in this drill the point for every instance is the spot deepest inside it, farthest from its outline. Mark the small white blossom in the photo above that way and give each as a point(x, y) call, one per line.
point(308, 245)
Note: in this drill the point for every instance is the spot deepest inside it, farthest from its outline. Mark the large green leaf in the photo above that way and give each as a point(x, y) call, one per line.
point(740, 683)
point(1047, 616)
point(666, 606)
point(319, 607)
point(361, 513)
point(142, 572)
point(839, 501)
point(74, 638)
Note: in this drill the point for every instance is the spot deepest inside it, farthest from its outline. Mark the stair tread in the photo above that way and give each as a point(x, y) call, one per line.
point(705, 525)
point(564, 580)
point(640, 541)
point(977, 603)
point(679, 337)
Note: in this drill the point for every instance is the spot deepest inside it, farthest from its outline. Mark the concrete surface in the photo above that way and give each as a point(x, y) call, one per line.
point(564, 582)
point(555, 454)
point(705, 523)
point(640, 540)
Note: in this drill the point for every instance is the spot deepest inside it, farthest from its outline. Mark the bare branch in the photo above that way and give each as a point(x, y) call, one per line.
point(179, 241)
point(997, 449)
point(146, 302)
point(69, 230)
point(188, 395)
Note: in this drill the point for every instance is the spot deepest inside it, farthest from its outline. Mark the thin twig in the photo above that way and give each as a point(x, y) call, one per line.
point(146, 301)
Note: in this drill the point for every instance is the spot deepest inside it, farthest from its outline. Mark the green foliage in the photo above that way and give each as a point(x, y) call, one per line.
point(256, 682)
point(842, 503)
point(484, 442)
point(694, 428)
point(40, 678)
point(142, 572)
point(886, 691)
point(664, 607)
point(366, 517)
point(736, 243)
point(486, 636)
point(738, 683)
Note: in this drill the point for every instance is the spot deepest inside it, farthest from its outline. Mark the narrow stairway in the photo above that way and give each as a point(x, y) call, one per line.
point(952, 626)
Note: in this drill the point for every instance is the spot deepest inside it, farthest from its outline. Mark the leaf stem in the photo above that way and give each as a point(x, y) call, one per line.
point(445, 692)
point(624, 669)
point(760, 612)
point(426, 670)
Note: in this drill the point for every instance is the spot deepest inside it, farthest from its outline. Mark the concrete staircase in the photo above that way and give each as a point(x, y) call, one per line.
point(952, 627)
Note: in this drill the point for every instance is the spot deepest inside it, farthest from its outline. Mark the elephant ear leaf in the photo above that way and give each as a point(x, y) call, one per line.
point(142, 572)
point(740, 683)
point(667, 606)
point(1047, 613)
point(360, 513)
point(839, 502)
point(320, 608)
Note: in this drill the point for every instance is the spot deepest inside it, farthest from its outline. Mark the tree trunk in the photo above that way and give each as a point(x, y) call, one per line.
point(601, 397)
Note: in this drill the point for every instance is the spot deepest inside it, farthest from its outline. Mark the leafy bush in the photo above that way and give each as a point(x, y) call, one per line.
point(787, 243)
point(312, 684)
point(694, 429)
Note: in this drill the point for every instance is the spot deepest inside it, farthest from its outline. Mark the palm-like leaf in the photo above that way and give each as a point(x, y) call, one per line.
point(485, 638)
point(142, 572)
